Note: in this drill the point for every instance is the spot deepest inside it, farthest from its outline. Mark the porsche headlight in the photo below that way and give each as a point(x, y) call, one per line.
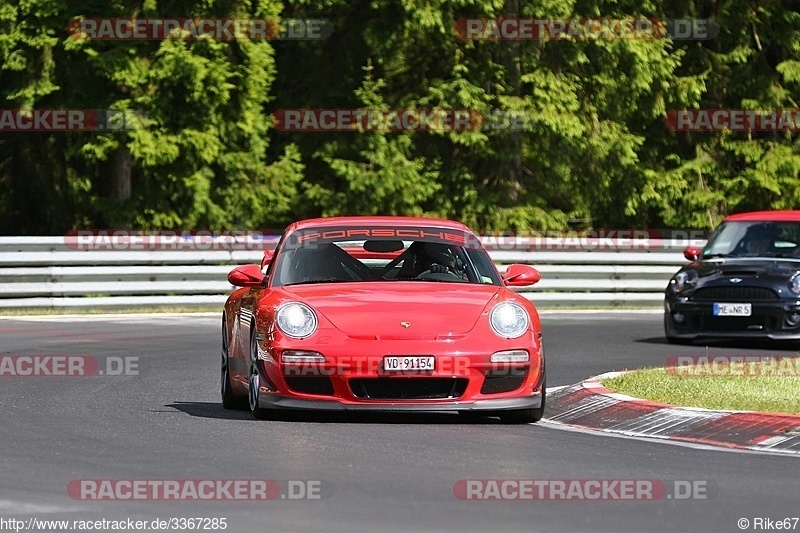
point(296, 320)
point(794, 284)
point(509, 320)
point(683, 280)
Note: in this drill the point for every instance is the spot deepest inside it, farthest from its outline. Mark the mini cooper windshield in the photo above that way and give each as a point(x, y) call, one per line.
point(382, 254)
point(755, 239)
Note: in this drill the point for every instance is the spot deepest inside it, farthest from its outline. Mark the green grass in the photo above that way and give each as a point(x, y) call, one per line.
point(758, 391)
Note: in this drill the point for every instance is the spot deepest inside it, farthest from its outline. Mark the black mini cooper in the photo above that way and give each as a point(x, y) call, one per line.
point(745, 283)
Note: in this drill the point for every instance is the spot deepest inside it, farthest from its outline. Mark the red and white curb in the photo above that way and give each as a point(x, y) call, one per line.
point(589, 405)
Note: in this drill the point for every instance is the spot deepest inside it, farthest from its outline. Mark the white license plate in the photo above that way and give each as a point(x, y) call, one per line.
point(404, 363)
point(733, 309)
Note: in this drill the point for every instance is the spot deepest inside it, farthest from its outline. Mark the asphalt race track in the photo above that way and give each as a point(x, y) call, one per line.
point(377, 472)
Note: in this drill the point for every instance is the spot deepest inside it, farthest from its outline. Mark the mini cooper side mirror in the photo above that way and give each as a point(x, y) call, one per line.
point(692, 253)
point(521, 275)
point(246, 276)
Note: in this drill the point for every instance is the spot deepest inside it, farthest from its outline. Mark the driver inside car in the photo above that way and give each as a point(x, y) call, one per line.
point(759, 240)
point(434, 258)
point(421, 261)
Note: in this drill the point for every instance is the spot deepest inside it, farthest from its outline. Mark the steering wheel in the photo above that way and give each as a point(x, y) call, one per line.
point(438, 272)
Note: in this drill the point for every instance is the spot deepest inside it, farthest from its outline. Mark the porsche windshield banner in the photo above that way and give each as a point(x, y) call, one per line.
point(315, 237)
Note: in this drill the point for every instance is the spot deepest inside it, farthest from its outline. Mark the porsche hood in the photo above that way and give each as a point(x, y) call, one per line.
point(398, 309)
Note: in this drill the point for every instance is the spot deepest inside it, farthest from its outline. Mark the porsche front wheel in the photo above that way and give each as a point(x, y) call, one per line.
point(255, 379)
point(229, 400)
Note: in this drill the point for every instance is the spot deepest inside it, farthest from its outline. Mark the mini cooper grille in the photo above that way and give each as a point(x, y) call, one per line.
point(737, 323)
point(498, 381)
point(735, 294)
point(310, 385)
point(408, 388)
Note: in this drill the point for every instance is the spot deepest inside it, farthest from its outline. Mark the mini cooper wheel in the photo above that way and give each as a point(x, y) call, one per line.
point(255, 380)
point(229, 400)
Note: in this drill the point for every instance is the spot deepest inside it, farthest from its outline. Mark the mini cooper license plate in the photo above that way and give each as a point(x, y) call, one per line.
point(404, 363)
point(733, 309)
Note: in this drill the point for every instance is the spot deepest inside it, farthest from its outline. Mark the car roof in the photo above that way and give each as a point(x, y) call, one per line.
point(765, 216)
point(380, 221)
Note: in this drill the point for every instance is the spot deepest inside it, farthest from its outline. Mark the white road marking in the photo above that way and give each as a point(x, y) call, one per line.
point(550, 424)
point(25, 507)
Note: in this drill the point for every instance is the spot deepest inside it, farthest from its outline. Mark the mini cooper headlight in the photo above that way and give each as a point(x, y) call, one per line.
point(683, 280)
point(509, 320)
point(794, 284)
point(296, 320)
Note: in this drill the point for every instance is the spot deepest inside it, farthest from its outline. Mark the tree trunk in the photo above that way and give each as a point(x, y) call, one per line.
point(120, 169)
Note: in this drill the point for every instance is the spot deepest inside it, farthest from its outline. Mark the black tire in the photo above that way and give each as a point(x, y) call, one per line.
point(526, 416)
point(229, 400)
point(258, 412)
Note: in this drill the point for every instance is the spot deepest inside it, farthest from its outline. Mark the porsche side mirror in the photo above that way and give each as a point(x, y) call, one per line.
point(521, 275)
point(268, 254)
point(246, 276)
point(692, 253)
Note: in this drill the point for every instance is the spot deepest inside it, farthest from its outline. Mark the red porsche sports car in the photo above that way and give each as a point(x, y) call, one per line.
point(384, 314)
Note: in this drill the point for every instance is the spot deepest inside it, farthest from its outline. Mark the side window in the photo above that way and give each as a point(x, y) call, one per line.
point(484, 266)
point(788, 239)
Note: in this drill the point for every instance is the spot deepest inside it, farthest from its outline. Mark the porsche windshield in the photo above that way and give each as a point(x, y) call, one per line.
point(390, 254)
point(755, 239)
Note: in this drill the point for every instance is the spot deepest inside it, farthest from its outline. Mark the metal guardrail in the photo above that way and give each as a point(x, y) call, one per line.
point(48, 273)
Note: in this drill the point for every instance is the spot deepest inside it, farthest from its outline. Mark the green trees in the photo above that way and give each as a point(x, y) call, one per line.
point(752, 65)
point(198, 157)
point(594, 149)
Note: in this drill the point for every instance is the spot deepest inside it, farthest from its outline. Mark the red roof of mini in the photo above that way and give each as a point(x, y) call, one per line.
point(381, 221)
point(765, 216)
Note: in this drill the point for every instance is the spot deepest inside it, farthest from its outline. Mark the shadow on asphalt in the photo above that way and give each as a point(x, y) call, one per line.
point(653, 340)
point(749, 344)
point(215, 410)
point(209, 410)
